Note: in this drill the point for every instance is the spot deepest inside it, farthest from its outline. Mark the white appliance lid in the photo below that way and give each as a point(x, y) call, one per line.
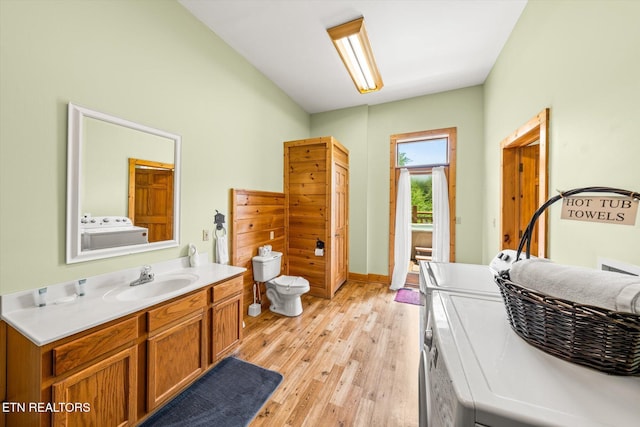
point(459, 277)
point(509, 379)
point(115, 230)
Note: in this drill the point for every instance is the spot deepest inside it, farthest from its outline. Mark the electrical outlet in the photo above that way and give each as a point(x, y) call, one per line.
point(205, 235)
point(271, 235)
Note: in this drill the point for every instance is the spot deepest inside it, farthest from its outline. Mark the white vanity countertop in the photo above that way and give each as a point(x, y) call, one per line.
point(43, 325)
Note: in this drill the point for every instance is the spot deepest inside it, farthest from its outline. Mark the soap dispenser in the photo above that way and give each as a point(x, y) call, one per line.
point(194, 257)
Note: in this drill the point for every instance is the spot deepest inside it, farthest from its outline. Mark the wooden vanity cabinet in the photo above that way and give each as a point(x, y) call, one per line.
point(227, 318)
point(87, 379)
point(116, 374)
point(176, 347)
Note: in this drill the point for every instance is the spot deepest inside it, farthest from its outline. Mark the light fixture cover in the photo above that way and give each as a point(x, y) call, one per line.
point(352, 43)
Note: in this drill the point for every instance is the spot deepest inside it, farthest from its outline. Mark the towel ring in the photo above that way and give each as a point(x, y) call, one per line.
point(218, 220)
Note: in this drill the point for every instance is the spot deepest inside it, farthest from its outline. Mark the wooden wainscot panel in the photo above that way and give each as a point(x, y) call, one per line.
point(171, 312)
point(257, 219)
point(82, 350)
point(312, 150)
point(308, 166)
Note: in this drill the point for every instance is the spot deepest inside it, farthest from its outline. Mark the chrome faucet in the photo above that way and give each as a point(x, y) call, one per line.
point(146, 276)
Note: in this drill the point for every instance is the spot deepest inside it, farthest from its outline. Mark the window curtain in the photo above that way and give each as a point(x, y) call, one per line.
point(440, 215)
point(402, 244)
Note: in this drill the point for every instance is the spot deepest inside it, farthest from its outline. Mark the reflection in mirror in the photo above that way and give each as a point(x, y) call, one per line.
point(123, 186)
point(151, 197)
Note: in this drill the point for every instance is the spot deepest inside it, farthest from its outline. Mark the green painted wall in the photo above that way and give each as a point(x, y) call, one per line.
point(147, 61)
point(349, 126)
point(366, 132)
point(582, 60)
point(152, 62)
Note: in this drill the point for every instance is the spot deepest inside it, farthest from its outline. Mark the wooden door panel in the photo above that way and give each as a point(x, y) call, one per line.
point(171, 370)
point(109, 387)
point(153, 202)
point(528, 182)
point(340, 237)
point(227, 326)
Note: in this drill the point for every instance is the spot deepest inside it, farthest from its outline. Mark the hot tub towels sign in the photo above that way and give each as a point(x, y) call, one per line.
point(612, 210)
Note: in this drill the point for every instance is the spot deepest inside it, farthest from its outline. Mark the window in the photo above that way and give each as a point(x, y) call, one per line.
point(419, 152)
point(423, 153)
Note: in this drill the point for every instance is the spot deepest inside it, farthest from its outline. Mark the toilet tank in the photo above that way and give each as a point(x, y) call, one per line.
point(267, 267)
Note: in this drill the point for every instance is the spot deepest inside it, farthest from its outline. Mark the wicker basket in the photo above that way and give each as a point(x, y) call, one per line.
point(591, 336)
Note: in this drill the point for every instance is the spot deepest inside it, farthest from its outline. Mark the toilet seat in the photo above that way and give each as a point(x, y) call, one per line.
point(291, 282)
point(289, 285)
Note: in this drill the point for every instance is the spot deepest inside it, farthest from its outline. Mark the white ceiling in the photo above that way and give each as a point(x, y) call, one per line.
point(421, 46)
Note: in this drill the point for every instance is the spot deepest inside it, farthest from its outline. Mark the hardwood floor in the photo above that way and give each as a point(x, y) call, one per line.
point(349, 361)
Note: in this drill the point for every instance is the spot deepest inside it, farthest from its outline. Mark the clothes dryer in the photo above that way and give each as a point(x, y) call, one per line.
point(475, 371)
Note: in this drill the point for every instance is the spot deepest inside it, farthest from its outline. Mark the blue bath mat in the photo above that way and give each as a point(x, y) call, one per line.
point(229, 395)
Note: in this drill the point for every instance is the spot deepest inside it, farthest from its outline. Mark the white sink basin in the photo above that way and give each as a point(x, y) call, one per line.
point(160, 286)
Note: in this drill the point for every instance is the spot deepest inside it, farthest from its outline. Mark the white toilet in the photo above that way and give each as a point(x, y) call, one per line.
point(284, 291)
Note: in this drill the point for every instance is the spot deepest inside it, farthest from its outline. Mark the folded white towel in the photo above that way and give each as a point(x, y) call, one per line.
point(606, 289)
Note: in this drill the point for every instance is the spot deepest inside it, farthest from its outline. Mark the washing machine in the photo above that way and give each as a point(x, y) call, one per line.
point(461, 278)
point(110, 231)
point(474, 279)
point(465, 278)
point(476, 371)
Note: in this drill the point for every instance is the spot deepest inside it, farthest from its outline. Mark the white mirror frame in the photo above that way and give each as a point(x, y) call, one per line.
point(75, 143)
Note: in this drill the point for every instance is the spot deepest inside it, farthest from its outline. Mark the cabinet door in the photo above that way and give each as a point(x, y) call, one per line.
point(340, 226)
point(227, 326)
point(108, 387)
point(176, 356)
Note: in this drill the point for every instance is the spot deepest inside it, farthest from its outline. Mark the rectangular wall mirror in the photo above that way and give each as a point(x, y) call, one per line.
point(123, 186)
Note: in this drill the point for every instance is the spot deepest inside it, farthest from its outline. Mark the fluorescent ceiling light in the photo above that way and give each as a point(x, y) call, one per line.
point(352, 43)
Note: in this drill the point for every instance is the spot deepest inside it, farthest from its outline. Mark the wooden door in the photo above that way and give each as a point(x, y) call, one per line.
point(524, 183)
point(339, 257)
point(151, 197)
point(521, 181)
point(528, 183)
point(109, 386)
point(154, 203)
